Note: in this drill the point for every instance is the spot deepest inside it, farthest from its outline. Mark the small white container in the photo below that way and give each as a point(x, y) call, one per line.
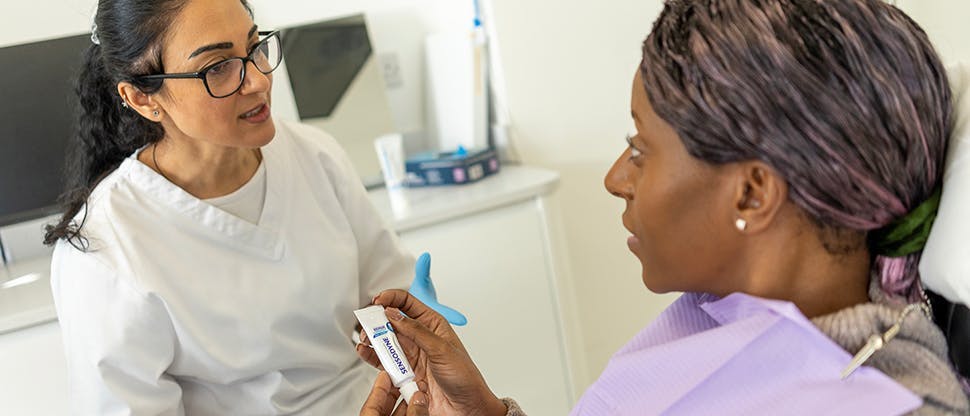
point(390, 154)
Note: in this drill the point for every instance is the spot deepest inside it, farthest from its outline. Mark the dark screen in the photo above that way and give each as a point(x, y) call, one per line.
point(322, 60)
point(37, 102)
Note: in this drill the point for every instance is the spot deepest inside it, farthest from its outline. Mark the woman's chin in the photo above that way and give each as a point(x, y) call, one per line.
point(265, 134)
point(654, 285)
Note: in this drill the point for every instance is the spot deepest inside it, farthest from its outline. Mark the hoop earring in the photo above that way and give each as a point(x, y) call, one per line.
point(741, 224)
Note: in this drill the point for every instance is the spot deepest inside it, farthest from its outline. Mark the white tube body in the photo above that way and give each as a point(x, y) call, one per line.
point(388, 350)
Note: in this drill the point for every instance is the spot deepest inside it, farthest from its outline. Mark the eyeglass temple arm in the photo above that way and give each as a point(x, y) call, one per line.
point(168, 76)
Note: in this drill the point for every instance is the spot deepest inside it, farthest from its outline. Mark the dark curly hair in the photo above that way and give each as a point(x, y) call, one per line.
point(130, 35)
point(846, 99)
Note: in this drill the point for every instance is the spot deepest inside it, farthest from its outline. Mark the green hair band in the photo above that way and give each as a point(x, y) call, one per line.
point(908, 234)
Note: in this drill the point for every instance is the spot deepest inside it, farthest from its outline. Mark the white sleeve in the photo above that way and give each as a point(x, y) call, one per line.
point(383, 262)
point(118, 342)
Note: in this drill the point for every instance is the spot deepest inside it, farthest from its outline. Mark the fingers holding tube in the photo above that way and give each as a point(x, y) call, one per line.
point(368, 355)
point(432, 344)
point(454, 373)
point(383, 395)
point(414, 308)
point(418, 405)
point(366, 352)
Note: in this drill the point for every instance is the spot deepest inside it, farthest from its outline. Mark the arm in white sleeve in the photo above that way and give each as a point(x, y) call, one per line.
point(382, 261)
point(118, 341)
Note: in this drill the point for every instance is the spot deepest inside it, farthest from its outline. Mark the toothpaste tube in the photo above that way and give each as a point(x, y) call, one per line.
point(388, 350)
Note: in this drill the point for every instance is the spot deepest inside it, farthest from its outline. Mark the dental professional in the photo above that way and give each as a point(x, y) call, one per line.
point(208, 260)
point(787, 162)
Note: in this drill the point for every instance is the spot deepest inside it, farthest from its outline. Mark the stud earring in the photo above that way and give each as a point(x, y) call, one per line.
point(124, 104)
point(155, 113)
point(741, 224)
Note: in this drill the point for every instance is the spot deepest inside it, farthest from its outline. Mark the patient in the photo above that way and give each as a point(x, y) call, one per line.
point(788, 152)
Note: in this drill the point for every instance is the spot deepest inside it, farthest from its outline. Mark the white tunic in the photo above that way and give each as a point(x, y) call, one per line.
point(181, 308)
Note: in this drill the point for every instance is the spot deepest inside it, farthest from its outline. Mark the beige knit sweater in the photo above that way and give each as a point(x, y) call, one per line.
point(917, 357)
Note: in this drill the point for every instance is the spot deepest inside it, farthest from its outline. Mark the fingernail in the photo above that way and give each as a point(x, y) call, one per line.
point(364, 340)
point(419, 399)
point(394, 314)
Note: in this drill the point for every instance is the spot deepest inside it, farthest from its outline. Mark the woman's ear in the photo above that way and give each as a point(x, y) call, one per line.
point(138, 101)
point(759, 195)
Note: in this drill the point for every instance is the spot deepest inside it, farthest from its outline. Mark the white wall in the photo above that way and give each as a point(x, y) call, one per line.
point(947, 22)
point(568, 70)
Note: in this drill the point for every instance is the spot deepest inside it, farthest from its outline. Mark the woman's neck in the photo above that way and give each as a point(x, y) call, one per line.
point(793, 264)
point(818, 283)
point(201, 169)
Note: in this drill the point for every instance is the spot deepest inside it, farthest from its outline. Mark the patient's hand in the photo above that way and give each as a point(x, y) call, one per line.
point(383, 396)
point(442, 367)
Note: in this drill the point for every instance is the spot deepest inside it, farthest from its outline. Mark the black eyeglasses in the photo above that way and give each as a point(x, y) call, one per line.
point(225, 77)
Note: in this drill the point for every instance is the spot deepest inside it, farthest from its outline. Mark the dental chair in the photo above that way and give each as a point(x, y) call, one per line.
point(944, 269)
point(954, 320)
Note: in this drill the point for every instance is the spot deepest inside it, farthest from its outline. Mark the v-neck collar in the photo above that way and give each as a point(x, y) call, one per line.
point(263, 239)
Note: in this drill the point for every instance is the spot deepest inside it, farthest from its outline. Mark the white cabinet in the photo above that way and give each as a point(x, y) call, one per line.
point(33, 372)
point(494, 258)
point(492, 266)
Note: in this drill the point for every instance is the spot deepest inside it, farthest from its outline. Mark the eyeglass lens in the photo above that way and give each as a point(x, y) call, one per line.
point(226, 77)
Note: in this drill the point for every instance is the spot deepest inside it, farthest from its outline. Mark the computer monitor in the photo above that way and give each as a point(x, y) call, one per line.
point(37, 114)
point(337, 86)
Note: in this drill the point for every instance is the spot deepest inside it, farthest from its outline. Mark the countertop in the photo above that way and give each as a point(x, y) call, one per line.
point(30, 303)
point(409, 208)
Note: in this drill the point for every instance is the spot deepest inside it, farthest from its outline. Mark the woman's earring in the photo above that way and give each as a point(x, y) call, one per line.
point(124, 103)
point(155, 113)
point(741, 224)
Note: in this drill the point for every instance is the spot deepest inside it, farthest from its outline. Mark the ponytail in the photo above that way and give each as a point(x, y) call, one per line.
point(898, 248)
point(106, 134)
point(899, 276)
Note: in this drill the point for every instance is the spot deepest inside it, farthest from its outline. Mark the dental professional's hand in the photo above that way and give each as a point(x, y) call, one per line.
point(442, 367)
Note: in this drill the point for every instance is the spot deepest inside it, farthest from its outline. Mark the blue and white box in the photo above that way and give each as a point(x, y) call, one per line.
point(450, 168)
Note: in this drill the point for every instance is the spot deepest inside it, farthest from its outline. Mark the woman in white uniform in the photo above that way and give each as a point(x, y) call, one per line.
point(209, 260)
